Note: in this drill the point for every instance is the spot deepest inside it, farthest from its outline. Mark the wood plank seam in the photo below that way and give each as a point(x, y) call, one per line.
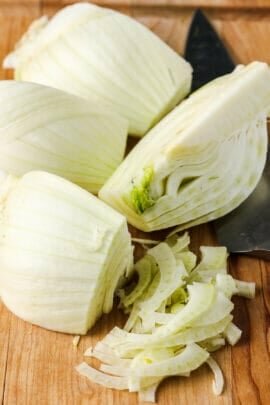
point(6, 365)
point(248, 5)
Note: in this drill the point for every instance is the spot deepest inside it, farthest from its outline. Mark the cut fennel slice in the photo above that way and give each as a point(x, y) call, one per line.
point(190, 322)
point(218, 383)
point(119, 383)
point(189, 359)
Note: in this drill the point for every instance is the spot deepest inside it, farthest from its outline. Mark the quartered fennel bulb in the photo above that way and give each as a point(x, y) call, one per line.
point(179, 312)
point(42, 128)
point(62, 253)
point(202, 160)
point(107, 57)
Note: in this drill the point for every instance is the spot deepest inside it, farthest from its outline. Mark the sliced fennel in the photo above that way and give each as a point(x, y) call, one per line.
point(42, 128)
point(76, 340)
point(187, 360)
point(145, 241)
point(107, 57)
point(62, 253)
point(202, 160)
point(218, 382)
point(119, 383)
point(232, 333)
point(245, 289)
point(172, 327)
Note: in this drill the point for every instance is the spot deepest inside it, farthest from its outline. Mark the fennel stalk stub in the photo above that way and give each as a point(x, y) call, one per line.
point(62, 253)
point(107, 57)
point(202, 160)
point(42, 128)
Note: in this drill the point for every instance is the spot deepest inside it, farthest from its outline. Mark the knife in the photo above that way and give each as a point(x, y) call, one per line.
point(246, 229)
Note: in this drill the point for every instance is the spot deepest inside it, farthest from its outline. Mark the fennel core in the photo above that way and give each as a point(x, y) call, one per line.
point(139, 196)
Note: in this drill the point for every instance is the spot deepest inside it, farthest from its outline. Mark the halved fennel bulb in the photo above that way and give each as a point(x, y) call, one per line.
point(102, 55)
point(174, 324)
point(202, 160)
point(42, 128)
point(62, 253)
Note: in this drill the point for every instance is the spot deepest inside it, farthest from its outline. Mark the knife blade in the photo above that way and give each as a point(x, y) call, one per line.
point(246, 229)
point(205, 52)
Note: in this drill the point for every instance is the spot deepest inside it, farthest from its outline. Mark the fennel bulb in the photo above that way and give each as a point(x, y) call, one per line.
point(42, 128)
point(178, 315)
point(102, 55)
point(202, 160)
point(62, 253)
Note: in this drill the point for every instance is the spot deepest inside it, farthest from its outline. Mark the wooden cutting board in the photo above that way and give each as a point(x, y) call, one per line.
point(37, 366)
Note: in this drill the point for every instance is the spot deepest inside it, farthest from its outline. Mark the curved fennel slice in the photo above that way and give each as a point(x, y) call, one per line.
point(42, 128)
point(160, 340)
point(202, 160)
point(62, 253)
point(107, 57)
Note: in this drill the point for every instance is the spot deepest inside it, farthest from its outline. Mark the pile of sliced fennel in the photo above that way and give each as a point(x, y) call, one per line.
point(202, 160)
point(179, 313)
point(42, 128)
point(63, 253)
point(107, 57)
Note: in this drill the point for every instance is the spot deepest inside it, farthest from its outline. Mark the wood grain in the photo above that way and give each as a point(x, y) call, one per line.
point(232, 4)
point(18, 3)
point(37, 366)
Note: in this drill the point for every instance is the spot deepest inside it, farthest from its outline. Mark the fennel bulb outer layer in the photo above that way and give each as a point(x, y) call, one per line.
point(107, 57)
point(42, 128)
point(202, 160)
point(62, 253)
